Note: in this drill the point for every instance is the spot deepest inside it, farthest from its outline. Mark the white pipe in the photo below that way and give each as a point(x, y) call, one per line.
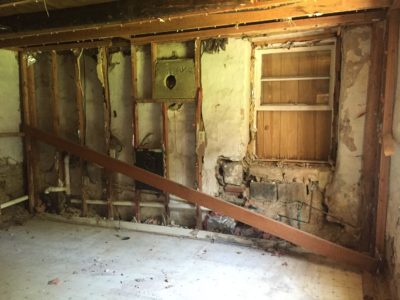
point(55, 189)
point(62, 187)
point(13, 202)
point(143, 204)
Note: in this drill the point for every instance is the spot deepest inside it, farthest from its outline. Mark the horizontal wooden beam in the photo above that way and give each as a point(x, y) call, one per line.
point(166, 100)
point(29, 6)
point(11, 134)
point(261, 222)
point(191, 21)
point(268, 28)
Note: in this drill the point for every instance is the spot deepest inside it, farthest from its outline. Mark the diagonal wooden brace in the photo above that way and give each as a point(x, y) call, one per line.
point(261, 222)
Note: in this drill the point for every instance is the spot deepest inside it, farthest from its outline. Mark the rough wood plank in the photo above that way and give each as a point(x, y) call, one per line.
point(165, 142)
point(371, 144)
point(11, 134)
point(135, 118)
point(387, 123)
point(55, 109)
point(26, 121)
point(195, 22)
point(33, 120)
point(281, 230)
point(199, 127)
point(81, 123)
point(103, 54)
point(135, 127)
point(166, 100)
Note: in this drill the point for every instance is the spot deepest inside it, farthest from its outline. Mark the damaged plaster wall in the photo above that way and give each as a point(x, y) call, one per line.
point(286, 192)
point(393, 215)
point(121, 120)
point(11, 151)
point(343, 194)
point(226, 93)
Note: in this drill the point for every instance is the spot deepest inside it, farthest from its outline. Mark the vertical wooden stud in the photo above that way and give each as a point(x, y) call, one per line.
point(164, 108)
point(135, 139)
point(199, 127)
point(104, 56)
point(82, 123)
point(387, 123)
point(23, 65)
point(371, 144)
point(55, 109)
point(33, 122)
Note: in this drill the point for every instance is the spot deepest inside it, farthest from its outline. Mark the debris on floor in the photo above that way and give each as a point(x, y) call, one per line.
point(55, 281)
point(219, 223)
point(124, 238)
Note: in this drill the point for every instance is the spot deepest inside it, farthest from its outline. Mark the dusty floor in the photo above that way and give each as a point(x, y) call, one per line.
point(98, 263)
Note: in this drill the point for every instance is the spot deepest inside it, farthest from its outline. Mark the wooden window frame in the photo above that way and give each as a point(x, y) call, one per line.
point(293, 107)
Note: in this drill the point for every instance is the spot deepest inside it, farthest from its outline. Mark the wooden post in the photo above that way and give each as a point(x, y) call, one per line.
point(55, 109)
point(33, 122)
point(23, 65)
point(166, 156)
point(164, 109)
point(135, 131)
point(103, 54)
point(371, 140)
point(336, 97)
point(199, 128)
point(387, 123)
point(82, 124)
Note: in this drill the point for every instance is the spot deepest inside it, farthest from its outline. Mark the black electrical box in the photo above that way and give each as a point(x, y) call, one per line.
point(151, 160)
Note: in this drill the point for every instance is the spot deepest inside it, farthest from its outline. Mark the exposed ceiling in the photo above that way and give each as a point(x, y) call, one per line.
point(75, 20)
point(16, 7)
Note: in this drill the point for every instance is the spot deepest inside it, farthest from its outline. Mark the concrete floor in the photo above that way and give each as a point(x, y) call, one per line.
point(97, 263)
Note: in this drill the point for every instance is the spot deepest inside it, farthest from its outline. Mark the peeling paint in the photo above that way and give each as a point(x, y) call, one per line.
point(347, 133)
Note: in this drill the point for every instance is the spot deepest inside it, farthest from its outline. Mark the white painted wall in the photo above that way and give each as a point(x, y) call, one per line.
point(226, 98)
point(10, 112)
point(343, 194)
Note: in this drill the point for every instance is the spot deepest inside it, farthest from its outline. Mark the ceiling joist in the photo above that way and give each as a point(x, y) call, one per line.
point(192, 21)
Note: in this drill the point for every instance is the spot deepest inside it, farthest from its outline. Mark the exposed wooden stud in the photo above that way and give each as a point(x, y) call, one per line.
point(371, 145)
point(11, 134)
point(336, 98)
point(23, 66)
point(164, 110)
point(55, 103)
point(387, 123)
point(153, 67)
point(251, 218)
point(165, 100)
point(195, 21)
point(166, 155)
point(199, 129)
point(135, 120)
point(55, 109)
point(104, 56)
point(263, 41)
point(269, 28)
point(82, 123)
point(33, 121)
point(70, 46)
point(134, 96)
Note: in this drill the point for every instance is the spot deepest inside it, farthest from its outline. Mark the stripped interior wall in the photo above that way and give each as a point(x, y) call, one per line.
point(326, 196)
point(11, 149)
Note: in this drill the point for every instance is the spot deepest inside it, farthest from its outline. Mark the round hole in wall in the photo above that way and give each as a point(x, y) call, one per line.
point(170, 82)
